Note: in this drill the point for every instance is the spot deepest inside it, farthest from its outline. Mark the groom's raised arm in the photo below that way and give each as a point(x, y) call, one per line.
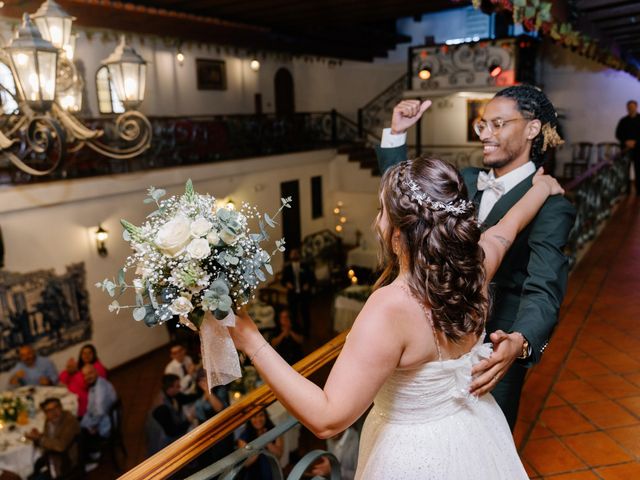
point(393, 147)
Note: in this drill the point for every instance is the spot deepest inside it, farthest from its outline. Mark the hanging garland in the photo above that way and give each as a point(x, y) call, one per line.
point(535, 16)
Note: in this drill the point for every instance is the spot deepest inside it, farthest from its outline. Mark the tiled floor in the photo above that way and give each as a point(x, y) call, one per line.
point(580, 412)
point(580, 416)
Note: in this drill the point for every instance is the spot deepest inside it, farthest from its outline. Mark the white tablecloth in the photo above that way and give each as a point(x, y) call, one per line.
point(345, 309)
point(18, 454)
point(363, 257)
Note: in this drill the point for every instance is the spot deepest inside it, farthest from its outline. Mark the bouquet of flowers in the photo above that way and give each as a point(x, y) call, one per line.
point(10, 407)
point(198, 260)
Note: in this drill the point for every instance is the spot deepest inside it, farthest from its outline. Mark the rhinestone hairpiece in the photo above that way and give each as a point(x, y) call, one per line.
point(459, 207)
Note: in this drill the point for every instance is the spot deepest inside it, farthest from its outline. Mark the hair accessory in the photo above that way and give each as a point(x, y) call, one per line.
point(458, 207)
point(550, 136)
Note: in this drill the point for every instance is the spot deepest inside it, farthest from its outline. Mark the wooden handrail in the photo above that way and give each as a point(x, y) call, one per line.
point(194, 443)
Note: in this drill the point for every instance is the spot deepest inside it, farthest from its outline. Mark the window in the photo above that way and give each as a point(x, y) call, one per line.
point(108, 101)
point(7, 102)
point(316, 197)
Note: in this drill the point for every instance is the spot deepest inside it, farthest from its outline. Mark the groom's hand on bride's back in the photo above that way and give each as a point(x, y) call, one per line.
point(487, 373)
point(406, 114)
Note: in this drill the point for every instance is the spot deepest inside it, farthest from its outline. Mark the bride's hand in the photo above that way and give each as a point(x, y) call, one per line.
point(245, 333)
point(549, 181)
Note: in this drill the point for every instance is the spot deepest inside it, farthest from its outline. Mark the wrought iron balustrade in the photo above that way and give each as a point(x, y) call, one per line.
point(372, 117)
point(230, 467)
point(197, 140)
point(594, 194)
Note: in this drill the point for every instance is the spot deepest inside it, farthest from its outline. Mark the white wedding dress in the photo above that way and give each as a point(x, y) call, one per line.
point(425, 425)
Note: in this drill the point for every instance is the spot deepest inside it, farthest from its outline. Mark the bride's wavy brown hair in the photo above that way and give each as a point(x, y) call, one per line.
point(445, 261)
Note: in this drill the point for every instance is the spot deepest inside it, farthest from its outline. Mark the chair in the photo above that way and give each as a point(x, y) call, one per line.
point(607, 150)
point(115, 442)
point(580, 158)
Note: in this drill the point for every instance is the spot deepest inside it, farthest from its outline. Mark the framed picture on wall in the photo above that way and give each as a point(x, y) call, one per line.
point(475, 107)
point(211, 74)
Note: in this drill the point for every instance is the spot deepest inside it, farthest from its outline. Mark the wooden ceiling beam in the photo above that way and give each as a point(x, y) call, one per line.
point(594, 5)
point(615, 13)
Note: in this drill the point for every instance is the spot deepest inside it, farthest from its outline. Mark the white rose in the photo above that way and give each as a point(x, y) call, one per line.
point(181, 306)
point(173, 236)
point(213, 238)
point(200, 226)
point(199, 248)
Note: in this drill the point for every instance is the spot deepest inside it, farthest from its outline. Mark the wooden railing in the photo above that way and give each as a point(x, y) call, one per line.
point(191, 445)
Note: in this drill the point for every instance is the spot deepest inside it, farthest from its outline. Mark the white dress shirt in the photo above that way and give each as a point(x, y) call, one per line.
point(509, 180)
point(390, 140)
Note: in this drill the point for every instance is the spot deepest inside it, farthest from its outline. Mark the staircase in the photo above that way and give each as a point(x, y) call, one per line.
point(371, 119)
point(363, 154)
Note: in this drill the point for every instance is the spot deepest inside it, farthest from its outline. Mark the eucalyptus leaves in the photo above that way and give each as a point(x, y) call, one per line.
point(192, 256)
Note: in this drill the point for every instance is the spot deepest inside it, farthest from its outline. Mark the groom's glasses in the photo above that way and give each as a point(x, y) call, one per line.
point(493, 126)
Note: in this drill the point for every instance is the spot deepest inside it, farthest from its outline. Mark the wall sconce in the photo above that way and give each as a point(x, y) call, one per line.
point(424, 73)
point(495, 70)
point(179, 54)
point(254, 65)
point(101, 241)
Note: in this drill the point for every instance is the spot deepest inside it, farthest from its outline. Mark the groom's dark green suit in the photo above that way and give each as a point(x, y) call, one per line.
point(530, 284)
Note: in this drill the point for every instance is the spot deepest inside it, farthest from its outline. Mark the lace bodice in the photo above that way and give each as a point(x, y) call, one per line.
point(431, 391)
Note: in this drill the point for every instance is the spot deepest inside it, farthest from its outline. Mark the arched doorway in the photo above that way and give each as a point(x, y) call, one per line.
point(284, 93)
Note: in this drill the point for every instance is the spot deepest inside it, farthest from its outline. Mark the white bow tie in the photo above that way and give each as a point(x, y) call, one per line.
point(485, 181)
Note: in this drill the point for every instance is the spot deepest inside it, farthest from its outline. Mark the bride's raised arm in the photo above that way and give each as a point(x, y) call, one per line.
point(496, 240)
point(370, 355)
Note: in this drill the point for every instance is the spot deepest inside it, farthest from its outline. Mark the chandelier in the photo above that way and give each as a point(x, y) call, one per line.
point(45, 90)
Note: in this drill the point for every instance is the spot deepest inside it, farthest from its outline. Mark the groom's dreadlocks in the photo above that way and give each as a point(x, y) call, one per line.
point(534, 104)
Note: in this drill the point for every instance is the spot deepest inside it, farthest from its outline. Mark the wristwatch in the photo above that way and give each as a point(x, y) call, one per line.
point(525, 347)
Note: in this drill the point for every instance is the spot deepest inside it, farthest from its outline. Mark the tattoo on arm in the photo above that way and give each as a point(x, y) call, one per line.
point(505, 243)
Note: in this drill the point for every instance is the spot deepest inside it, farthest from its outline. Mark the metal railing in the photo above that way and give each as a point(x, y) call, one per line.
point(198, 140)
point(594, 194)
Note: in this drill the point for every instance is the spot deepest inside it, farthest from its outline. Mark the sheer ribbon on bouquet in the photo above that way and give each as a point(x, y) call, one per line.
point(219, 355)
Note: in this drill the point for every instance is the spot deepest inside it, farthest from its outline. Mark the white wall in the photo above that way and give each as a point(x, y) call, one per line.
point(591, 96)
point(319, 85)
point(50, 226)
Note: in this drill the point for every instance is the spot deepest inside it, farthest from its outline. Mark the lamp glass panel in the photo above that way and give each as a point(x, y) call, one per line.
point(55, 29)
point(8, 103)
point(25, 65)
point(115, 73)
point(131, 74)
point(143, 81)
point(108, 101)
point(47, 71)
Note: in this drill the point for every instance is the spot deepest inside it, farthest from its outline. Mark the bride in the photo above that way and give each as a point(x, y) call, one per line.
point(411, 349)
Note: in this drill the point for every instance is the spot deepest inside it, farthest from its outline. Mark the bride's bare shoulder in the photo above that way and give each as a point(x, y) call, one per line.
point(388, 298)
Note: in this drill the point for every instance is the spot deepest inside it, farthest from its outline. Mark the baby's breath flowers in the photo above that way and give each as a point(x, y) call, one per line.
point(193, 256)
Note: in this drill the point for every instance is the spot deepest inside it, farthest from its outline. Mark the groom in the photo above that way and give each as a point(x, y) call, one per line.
point(517, 126)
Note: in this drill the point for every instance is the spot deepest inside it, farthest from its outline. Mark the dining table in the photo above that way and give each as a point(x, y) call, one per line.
point(17, 453)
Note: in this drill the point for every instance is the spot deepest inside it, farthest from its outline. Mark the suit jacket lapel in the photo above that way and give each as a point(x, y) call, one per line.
point(474, 194)
point(507, 201)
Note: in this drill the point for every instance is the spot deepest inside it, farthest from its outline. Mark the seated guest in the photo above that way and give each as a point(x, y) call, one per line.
point(96, 422)
point(73, 378)
point(209, 404)
point(257, 466)
point(345, 448)
point(57, 442)
point(167, 420)
point(287, 341)
point(183, 367)
point(32, 369)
